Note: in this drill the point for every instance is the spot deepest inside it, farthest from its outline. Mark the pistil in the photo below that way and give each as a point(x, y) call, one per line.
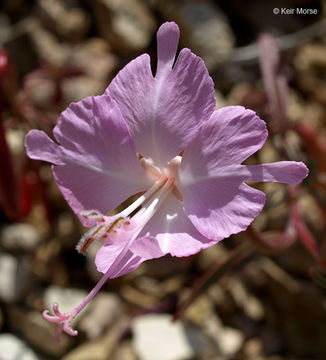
point(121, 227)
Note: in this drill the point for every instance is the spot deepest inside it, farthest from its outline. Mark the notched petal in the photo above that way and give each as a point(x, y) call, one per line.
point(167, 45)
point(164, 113)
point(96, 162)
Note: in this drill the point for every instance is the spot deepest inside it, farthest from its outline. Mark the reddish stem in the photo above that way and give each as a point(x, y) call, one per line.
point(272, 242)
point(304, 233)
point(8, 185)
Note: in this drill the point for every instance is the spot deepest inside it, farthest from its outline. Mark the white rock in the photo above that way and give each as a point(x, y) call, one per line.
point(47, 46)
point(212, 36)
point(15, 139)
point(71, 23)
point(131, 26)
point(230, 340)
point(103, 312)
point(79, 87)
point(13, 274)
point(93, 57)
point(157, 337)
point(13, 348)
point(20, 237)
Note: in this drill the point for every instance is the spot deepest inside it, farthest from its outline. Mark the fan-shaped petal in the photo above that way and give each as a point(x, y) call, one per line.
point(211, 177)
point(220, 207)
point(230, 136)
point(97, 166)
point(164, 112)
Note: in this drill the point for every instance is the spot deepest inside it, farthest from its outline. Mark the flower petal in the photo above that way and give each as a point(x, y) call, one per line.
point(163, 112)
point(172, 230)
point(288, 172)
point(97, 163)
point(231, 135)
point(40, 147)
point(108, 253)
point(168, 231)
point(219, 207)
point(211, 177)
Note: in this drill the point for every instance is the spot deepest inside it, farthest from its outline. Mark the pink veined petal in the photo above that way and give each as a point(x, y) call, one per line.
point(288, 172)
point(164, 112)
point(219, 207)
point(172, 230)
point(211, 178)
point(231, 135)
point(97, 163)
point(167, 45)
point(108, 253)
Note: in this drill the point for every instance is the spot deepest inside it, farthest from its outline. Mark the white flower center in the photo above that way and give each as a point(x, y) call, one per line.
point(155, 173)
point(124, 226)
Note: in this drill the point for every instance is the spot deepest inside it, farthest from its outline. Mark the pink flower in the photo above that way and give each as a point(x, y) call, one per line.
point(130, 140)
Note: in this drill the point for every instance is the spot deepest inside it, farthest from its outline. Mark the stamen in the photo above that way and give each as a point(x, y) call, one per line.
point(106, 224)
point(115, 223)
point(94, 234)
point(91, 214)
point(88, 238)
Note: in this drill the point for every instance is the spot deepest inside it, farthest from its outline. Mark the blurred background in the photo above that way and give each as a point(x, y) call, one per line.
point(257, 295)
